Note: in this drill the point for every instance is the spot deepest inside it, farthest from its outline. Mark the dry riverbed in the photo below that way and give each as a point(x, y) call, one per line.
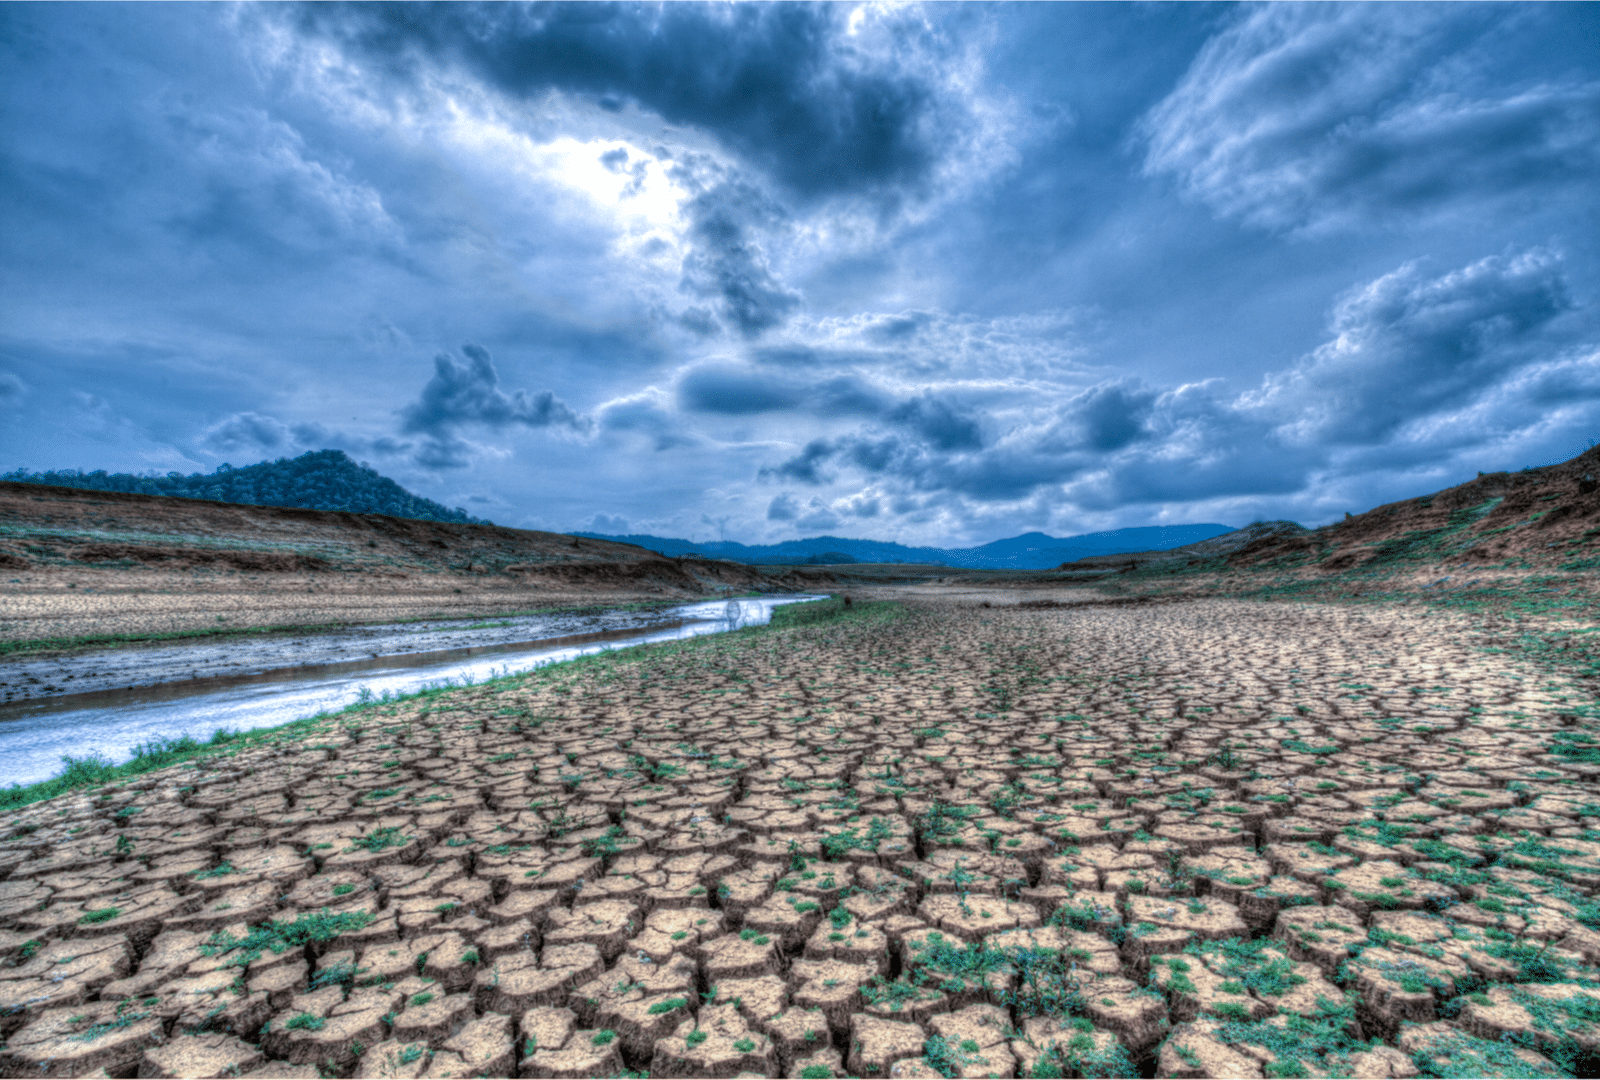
point(1189, 838)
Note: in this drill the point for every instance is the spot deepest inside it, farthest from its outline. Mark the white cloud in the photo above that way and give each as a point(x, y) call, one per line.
point(1408, 345)
point(1321, 116)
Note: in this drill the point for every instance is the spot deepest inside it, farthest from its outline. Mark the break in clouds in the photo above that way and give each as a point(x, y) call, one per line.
point(937, 275)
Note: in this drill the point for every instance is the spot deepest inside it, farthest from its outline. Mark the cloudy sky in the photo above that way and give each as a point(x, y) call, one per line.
point(938, 274)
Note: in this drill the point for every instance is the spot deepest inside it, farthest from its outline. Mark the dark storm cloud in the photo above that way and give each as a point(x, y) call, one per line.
point(783, 507)
point(736, 391)
point(777, 83)
point(470, 393)
point(938, 422)
point(728, 263)
point(742, 390)
point(1318, 115)
point(805, 465)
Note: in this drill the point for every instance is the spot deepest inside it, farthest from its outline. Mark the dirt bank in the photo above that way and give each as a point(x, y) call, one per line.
point(77, 564)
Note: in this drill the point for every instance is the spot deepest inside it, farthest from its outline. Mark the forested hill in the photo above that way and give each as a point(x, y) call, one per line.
point(318, 480)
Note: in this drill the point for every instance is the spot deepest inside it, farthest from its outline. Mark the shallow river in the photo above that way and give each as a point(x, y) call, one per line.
point(35, 734)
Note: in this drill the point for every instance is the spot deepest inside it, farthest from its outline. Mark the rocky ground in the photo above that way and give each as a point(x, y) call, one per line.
point(1175, 838)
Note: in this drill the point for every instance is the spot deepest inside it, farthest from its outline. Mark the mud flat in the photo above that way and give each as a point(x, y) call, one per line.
point(1191, 838)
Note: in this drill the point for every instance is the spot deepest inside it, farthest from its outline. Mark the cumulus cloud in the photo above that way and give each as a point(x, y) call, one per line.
point(256, 183)
point(910, 434)
point(459, 396)
point(249, 431)
point(736, 390)
point(470, 393)
point(1111, 415)
point(610, 524)
point(941, 423)
point(1302, 115)
point(818, 515)
point(864, 506)
point(1410, 344)
point(804, 466)
point(648, 414)
point(1417, 360)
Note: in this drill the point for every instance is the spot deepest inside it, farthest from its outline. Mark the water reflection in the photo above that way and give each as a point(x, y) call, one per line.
point(34, 735)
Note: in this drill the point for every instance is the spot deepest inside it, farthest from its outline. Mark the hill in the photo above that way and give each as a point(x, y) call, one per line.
point(1517, 542)
point(78, 566)
point(1215, 547)
point(1030, 551)
point(318, 480)
point(1540, 517)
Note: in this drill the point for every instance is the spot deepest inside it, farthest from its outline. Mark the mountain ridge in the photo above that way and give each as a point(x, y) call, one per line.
point(1028, 551)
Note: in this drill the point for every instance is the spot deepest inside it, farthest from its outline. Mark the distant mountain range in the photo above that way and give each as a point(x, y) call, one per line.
point(1030, 551)
point(318, 480)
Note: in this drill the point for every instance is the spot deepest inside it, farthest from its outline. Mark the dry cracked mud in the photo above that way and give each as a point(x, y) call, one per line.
point(1209, 838)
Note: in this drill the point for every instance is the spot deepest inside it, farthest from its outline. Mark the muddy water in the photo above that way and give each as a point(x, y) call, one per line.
point(34, 734)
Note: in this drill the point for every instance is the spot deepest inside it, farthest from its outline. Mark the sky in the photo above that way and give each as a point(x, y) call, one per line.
point(938, 274)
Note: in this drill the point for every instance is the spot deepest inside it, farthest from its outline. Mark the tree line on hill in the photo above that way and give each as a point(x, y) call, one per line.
point(318, 480)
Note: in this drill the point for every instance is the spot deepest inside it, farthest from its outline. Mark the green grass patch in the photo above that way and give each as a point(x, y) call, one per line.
point(95, 769)
point(277, 937)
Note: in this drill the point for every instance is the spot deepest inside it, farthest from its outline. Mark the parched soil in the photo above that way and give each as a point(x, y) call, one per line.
point(1199, 838)
point(77, 565)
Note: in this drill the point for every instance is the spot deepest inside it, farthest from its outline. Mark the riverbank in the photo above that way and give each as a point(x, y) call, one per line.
point(86, 569)
point(83, 670)
point(37, 735)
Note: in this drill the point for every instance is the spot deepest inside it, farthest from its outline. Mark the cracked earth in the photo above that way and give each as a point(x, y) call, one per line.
point(1206, 838)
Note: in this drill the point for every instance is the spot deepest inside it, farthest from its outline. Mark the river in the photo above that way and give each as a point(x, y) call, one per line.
point(36, 733)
